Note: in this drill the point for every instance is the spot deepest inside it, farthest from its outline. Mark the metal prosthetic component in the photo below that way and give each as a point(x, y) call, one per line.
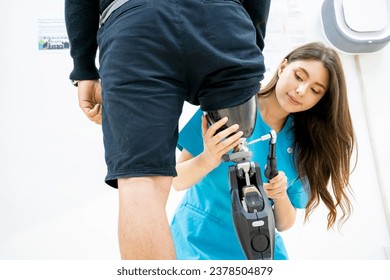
point(252, 200)
point(252, 212)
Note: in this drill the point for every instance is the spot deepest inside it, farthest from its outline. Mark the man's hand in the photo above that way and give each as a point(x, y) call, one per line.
point(90, 99)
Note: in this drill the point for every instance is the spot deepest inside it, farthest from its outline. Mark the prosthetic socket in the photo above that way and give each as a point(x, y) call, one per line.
point(252, 212)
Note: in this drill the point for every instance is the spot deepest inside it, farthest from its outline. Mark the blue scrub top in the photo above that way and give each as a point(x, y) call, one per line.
point(202, 226)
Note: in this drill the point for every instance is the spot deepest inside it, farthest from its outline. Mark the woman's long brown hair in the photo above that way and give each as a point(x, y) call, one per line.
point(324, 136)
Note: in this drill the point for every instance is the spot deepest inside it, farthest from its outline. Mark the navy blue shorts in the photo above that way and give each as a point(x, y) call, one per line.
point(157, 54)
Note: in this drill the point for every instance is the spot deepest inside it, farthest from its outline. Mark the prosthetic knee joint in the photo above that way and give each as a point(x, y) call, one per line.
point(252, 212)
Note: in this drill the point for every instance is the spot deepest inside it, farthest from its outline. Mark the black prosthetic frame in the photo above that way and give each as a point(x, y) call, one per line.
point(255, 226)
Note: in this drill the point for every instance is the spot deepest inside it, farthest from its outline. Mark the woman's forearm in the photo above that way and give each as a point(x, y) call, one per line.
point(284, 213)
point(190, 172)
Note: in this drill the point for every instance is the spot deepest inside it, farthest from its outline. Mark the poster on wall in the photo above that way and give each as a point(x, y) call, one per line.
point(52, 34)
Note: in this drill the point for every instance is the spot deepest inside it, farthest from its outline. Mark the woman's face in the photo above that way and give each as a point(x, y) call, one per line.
point(301, 84)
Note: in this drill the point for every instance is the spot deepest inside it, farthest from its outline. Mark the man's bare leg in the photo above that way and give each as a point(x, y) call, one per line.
point(143, 225)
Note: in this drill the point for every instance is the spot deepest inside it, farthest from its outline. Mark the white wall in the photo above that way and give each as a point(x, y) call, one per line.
point(53, 201)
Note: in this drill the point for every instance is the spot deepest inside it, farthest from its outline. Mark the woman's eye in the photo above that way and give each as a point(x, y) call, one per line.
point(315, 91)
point(298, 77)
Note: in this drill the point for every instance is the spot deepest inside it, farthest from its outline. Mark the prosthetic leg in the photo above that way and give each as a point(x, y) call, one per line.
point(252, 212)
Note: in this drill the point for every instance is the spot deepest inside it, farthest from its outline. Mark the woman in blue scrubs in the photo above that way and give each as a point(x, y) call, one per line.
point(306, 104)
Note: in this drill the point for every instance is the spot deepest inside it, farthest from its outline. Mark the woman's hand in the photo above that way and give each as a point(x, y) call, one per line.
point(216, 145)
point(277, 186)
point(284, 211)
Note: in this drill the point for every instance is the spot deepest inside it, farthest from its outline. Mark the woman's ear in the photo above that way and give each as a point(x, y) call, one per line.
point(282, 65)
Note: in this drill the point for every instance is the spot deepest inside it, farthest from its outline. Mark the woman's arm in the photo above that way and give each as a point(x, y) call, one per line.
point(191, 169)
point(284, 211)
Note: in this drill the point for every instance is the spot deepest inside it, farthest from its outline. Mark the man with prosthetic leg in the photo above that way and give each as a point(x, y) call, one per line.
point(143, 82)
point(252, 212)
